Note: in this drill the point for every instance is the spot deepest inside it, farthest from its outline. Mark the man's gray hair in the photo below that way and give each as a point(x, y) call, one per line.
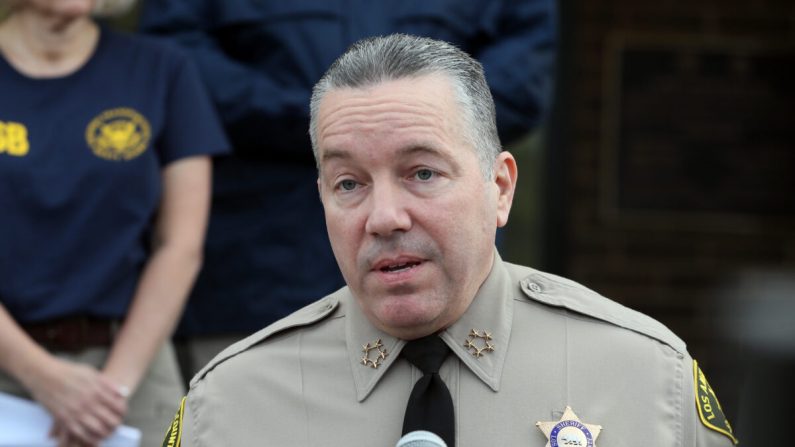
point(375, 60)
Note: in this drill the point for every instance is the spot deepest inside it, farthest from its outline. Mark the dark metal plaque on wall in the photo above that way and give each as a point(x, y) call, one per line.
point(698, 132)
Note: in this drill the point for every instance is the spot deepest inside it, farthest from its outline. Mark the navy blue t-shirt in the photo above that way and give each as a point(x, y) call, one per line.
point(80, 173)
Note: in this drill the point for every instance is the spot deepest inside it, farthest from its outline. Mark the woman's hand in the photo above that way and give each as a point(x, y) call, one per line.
point(86, 406)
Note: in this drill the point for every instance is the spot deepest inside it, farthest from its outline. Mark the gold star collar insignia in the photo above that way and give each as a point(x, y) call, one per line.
point(379, 355)
point(474, 348)
point(569, 431)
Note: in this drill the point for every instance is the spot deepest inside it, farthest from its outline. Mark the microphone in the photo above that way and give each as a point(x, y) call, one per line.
point(420, 438)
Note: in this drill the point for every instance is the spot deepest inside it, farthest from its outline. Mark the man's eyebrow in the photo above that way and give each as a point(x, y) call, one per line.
point(408, 150)
point(342, 154)
point(430, 150)
point(332, 154)
point(421, 148)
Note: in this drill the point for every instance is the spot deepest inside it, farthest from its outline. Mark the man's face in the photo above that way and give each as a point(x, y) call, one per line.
point(410, 216)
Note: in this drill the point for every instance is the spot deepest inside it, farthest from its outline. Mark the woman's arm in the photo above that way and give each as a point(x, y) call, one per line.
point(169, 273)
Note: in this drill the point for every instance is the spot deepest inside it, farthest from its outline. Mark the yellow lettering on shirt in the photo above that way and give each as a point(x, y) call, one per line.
point(14, 139)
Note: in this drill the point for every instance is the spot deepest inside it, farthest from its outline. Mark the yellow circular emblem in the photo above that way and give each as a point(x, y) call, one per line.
point(118, 134)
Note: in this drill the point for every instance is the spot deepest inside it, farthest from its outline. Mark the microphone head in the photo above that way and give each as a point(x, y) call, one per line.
point(421, 438)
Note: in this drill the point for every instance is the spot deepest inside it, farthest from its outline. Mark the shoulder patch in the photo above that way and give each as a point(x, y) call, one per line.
point(561, 292)
point(305, 316)
point(174, 433)
point(709, 409)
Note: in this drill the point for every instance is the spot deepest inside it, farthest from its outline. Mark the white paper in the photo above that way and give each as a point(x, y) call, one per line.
point(24, 423)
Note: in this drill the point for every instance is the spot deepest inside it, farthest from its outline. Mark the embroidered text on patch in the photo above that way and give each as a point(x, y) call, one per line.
point(709, 410)
point(174, 432)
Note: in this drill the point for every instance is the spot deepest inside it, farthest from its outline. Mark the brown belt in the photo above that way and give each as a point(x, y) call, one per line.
point(73, 334)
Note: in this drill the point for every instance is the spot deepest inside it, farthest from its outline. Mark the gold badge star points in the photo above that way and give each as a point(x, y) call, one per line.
point(569, 430)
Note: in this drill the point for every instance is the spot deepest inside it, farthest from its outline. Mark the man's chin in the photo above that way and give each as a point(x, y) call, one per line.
point(408, 322)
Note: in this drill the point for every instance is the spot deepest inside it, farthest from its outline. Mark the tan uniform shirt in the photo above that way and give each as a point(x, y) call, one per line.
point(303, 382)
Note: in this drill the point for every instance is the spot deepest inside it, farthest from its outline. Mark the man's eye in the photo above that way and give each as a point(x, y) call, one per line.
point(347, 185)
point(424, 174)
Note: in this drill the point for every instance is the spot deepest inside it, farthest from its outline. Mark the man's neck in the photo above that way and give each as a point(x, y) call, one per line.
point(42, 46)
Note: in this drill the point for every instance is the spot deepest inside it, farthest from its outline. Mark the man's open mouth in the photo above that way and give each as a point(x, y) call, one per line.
point(399, 267)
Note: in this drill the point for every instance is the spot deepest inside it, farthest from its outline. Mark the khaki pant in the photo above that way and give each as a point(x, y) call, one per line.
point(195, 352)
point(154, 403)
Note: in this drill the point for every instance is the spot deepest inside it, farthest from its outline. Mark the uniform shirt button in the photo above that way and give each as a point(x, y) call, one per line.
point(534, 287)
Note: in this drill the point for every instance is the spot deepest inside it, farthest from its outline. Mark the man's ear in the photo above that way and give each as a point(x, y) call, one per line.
point(320, 190)
point(505, 176)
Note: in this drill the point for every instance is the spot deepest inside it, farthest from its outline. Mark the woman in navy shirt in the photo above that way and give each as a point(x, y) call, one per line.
point(104, 194)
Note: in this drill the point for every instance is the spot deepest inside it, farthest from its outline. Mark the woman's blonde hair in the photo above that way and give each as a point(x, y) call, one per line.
point(103, 8)
point(112, 8)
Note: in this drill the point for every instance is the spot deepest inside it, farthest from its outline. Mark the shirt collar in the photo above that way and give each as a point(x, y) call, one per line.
point(491, 311)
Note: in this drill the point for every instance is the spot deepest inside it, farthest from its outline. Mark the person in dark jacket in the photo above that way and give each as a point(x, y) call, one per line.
point(267, 252)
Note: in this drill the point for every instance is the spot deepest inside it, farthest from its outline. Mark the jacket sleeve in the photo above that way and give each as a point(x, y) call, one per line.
point(254, 108)
point(519, 61)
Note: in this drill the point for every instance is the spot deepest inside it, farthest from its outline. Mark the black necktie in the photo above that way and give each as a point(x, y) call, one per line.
point(430, 406)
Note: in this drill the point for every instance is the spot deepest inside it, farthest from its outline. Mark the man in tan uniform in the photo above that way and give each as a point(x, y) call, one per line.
point(414, 186)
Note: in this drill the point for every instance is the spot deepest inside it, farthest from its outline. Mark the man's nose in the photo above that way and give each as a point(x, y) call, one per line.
point(388, 211)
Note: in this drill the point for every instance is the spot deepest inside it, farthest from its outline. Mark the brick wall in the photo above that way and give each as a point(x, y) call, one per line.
point(677, 263)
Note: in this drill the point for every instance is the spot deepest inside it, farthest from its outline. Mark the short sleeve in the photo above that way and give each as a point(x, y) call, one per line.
point(192, 126)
